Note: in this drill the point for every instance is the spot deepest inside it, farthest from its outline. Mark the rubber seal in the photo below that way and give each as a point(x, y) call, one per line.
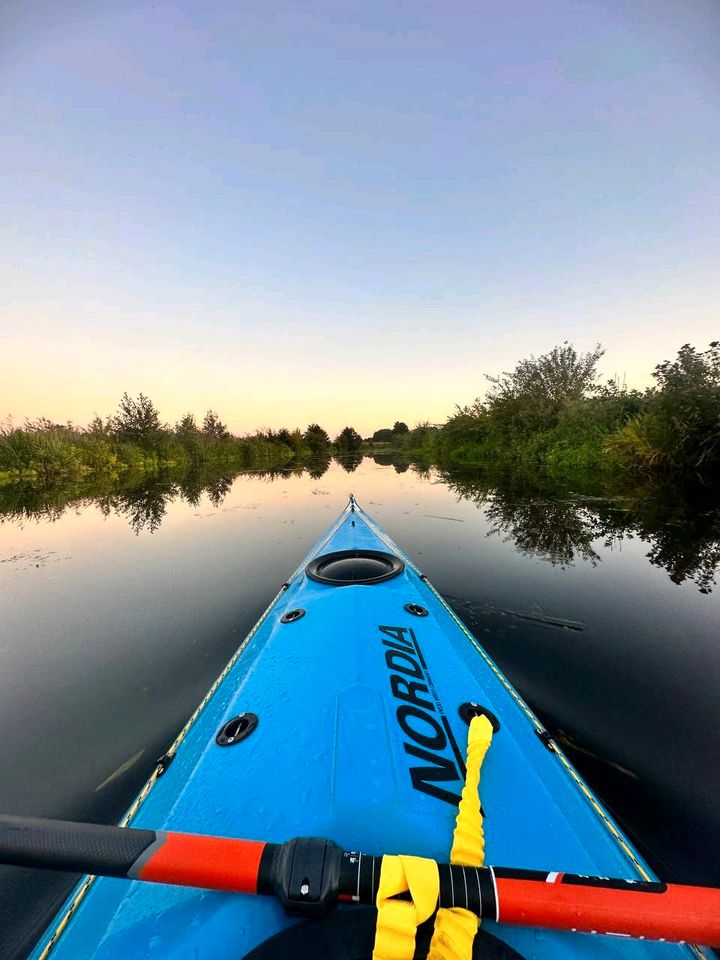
point(292, 615)
point(237, 729)
point(415, 609)
point(345, 568)
point(471, 709)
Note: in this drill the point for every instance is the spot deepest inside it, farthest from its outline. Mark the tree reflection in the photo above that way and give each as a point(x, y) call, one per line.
point(550, 519)
point(142, 501)
point(143, 507)
point(555, 531)
point(318, 468)
point(397, 461)
point(560, 521)
point(219, 489)
point(682, 525)
point(350, 460)
point(25, 502)
point(281, 472)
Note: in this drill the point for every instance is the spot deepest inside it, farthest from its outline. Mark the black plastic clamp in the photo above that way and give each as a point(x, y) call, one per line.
point(304, 874)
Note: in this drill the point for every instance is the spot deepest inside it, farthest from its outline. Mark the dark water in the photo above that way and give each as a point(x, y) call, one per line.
point(118, 609)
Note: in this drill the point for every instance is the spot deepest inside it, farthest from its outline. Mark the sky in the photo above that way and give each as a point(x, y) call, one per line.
point(348, 212)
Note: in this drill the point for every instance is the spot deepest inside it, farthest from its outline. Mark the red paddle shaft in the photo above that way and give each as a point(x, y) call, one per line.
point(309, 875)
point(593, 905)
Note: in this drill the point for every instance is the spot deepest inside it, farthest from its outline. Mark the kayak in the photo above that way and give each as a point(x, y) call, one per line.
point(345, 714)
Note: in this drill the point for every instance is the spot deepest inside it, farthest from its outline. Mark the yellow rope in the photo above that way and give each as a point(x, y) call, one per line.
point(468, 849)
point(455, 928)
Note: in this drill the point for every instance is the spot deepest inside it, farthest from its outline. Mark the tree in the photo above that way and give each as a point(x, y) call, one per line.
point(294, 439)
point(186, 428)
point(686, 405)
point(559, 376)
point(316, 438)
point(98, 428)
point(188, 434)
point(348, 439)
point(692, 372)
point(531, 397)
point(137, 421)
point(297, 440)
point(387, 435)
point(214, 428)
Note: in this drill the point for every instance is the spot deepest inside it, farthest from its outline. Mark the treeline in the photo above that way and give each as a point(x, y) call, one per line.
point(135, 439)
point(394, 434)
point(551, 411)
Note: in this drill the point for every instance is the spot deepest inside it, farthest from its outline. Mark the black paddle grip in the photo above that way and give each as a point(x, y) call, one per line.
point(78, 847)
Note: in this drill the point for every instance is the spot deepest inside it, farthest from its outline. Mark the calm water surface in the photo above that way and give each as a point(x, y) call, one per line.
point(115, 617)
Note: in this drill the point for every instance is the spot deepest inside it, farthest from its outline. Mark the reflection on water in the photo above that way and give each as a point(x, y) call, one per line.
point(141, 500)
point(121, 602)
point(317, 468)
point(556, 521)
point(398, 462)
point(350, 461)
point(562, 523)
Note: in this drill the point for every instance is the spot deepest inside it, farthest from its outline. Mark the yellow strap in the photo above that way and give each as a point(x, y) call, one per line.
point(455, 928)
point(398, 920)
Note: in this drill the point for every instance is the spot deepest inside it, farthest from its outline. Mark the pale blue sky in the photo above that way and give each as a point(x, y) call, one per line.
point(346, 212)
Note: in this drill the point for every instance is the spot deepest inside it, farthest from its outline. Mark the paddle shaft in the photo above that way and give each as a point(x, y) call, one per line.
point(308, 874)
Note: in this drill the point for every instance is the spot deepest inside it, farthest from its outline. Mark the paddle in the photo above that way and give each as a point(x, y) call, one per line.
point(310, 875)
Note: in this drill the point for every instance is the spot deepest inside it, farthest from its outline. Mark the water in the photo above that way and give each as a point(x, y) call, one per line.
point(117, 611)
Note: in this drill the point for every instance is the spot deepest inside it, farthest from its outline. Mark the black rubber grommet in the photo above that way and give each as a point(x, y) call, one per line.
point(345, 568)
point(292, 615)
point(415, 609)
point(237, 729)
point(471, 709)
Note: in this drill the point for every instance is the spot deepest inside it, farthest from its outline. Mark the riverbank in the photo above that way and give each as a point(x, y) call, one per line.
point(551, 412)
point(56, 455)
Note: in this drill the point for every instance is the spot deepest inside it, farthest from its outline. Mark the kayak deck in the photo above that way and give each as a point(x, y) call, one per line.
point(359, 738)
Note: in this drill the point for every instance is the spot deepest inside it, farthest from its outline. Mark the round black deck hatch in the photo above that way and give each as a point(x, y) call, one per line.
point(345, 567)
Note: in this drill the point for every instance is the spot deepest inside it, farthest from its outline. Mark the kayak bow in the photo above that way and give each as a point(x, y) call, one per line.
point(345, 714)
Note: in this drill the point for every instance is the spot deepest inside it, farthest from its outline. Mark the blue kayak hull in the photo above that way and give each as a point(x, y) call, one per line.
point(359, 739)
